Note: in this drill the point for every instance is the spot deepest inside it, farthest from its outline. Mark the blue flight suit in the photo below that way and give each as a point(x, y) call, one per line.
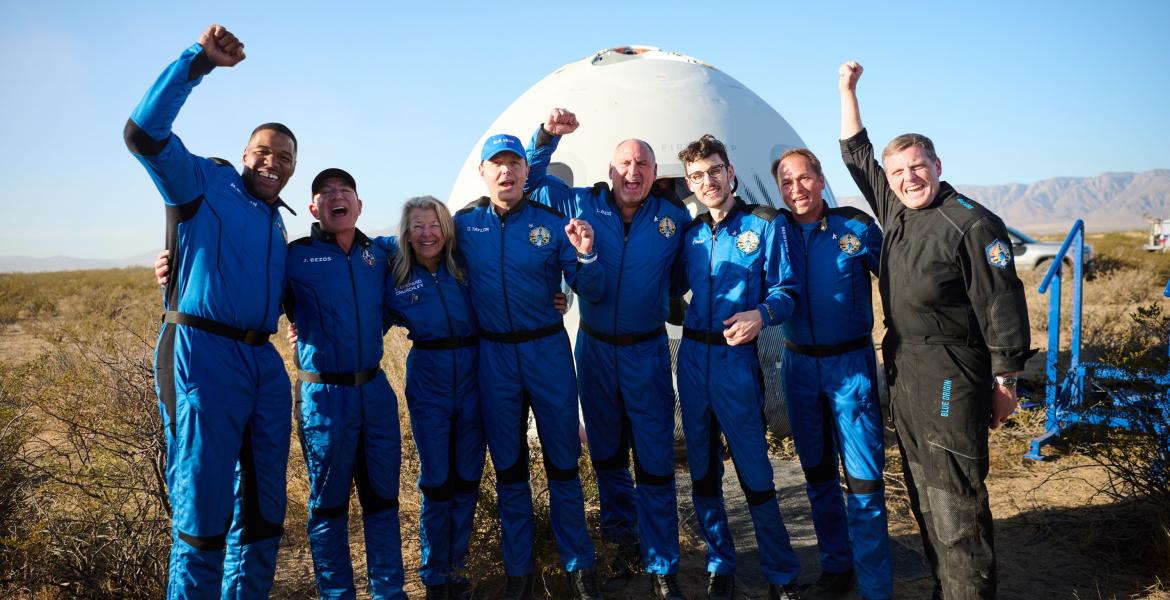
point(443, 396)
point(829, 380)
point(738, 264)
point(222, 387)
point(625, 384)
point(348, 413)
point(516, 262)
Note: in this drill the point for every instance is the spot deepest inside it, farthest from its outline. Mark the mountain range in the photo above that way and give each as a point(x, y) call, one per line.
point(1107, 202)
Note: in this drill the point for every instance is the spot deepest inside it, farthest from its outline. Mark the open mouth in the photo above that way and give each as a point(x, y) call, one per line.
point(339, 211)
point(507, 184)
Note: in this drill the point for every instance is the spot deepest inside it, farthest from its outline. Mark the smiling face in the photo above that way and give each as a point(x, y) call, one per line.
point(632, 172)
point(425, 235)
point(913, 175)
point(710, 180)
point(504, 174)
point(801, 187)
point(336, 205)
point(269, 162)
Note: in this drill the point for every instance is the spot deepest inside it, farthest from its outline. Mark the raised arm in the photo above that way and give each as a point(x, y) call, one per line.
point(857, 150)
point(847, 76)
point(540, 186)
point(148, 133)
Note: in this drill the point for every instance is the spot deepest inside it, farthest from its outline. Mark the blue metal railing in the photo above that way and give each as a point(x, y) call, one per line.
point(1063, 397)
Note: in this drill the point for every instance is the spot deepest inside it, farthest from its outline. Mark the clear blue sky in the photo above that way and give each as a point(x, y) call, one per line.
point(398, 92)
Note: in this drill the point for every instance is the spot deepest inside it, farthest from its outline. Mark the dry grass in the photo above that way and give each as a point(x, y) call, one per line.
point(1056, 530)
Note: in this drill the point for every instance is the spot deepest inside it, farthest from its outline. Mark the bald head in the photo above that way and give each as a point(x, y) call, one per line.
point(632, 172)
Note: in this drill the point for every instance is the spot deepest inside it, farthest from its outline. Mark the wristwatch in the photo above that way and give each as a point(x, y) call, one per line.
point(1007, 381)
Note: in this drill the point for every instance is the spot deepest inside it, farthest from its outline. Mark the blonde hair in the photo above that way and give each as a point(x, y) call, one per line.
point(405, 257)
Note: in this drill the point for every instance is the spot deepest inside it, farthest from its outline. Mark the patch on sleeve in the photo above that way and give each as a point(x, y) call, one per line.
point(999, 254)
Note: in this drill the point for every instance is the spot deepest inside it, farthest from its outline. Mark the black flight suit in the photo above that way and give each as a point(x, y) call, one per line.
point(956, 316)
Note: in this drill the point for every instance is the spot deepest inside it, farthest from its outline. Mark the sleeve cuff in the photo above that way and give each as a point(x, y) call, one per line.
point(543, 138)
point(586, 258)
point(859, 140)
point(200, 66)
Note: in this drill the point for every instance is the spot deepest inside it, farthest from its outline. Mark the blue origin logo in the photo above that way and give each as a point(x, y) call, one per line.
point(946, 398)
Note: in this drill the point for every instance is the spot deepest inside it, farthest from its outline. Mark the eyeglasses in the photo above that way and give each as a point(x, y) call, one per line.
point(715, 172)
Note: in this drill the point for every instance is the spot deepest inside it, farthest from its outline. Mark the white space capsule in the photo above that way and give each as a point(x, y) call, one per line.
point(668, 100)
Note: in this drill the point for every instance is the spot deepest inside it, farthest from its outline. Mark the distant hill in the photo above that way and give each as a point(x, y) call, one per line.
point(1107, 202)
point(31, 264)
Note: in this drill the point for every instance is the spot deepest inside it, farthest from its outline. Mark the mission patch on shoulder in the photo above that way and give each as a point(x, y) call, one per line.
point(999, 255)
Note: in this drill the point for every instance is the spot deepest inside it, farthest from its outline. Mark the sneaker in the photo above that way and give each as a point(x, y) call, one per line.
point(583, 585)
point(720, 587)
point(623, 568)
point(831, 585)
point(517, 588)
point(439, 592)
point(665, 587)
point(459, 590)
point(783, 592)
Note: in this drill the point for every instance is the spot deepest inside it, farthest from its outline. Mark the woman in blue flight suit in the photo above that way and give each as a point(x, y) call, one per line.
point(427, 293)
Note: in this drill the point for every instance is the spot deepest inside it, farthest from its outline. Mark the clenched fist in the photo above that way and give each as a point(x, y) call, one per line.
point(561, 121)
point(580, 235)
point(221, 46)
point(848, 75)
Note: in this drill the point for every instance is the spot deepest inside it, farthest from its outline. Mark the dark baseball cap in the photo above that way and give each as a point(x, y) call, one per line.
point(332, 173)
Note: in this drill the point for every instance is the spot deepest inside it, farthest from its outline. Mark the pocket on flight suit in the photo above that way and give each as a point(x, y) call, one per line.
point(957, 458)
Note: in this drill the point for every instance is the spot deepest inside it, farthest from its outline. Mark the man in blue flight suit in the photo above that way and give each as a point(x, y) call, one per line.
point(829, 377)
point(348, 413)
point(516, 252)
point(626, 391)
point(222, 388)
point(735, 262)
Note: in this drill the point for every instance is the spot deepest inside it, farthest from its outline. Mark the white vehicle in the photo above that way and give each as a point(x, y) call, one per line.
point(1031, 254)
point(668, 100)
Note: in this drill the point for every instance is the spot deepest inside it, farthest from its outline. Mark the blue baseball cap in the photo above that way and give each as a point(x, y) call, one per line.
point(502, 142)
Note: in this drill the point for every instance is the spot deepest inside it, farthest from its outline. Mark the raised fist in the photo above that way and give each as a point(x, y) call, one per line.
point(221, 46)
point(847, 76)
point(561, 121)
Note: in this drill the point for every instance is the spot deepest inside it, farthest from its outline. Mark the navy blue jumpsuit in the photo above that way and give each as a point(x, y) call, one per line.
point(738, 264)
point(516, 262)
point(222, 387)
point(348, 413)
point(625, 383)
point(829, 380)
point(443, 396)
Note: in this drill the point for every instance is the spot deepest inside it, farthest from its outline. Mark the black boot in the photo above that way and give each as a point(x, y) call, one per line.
point(623, 568)
point(783, 592)
point(583, 585)
point(517, 588)
point(665, 587)
point(720, 587)
point(459, 590)
point(831, 585)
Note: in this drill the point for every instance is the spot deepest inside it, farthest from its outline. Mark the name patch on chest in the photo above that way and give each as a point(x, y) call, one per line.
point(999, 255)
point(478, 229)
point(408, 288)
point(318, 259)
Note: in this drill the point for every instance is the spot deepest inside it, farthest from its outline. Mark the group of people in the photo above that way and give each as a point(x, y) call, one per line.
point(631, 250)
